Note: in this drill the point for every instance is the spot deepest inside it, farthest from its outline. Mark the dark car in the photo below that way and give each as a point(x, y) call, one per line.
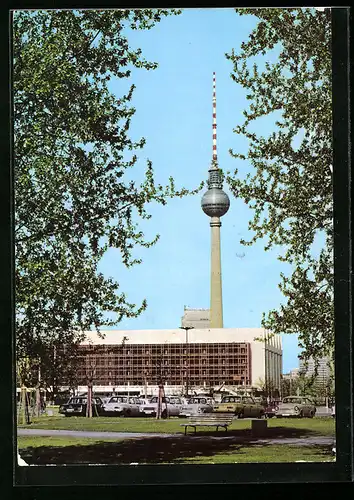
point(270, 408)
point(77, 405)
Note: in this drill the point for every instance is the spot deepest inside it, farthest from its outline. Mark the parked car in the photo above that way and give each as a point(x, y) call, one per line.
point(261, 400)
point(122, 406)
point(179, 400)
point(196, 405)
point(333, 412)
point(295, 406)
point(240, 406)
point(62, 398)
point(171, 406)
point(144, 401)
point(77, 405)
point(270, 408)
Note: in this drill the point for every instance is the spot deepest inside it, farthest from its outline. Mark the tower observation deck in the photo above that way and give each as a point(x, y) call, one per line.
point(215, 203)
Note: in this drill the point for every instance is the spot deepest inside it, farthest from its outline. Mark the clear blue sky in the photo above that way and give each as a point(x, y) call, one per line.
point(174, 114)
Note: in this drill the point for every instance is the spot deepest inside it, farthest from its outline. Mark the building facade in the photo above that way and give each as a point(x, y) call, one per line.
point(293, 374)
point(323, 369)
point(196, 318)
point(135, 360)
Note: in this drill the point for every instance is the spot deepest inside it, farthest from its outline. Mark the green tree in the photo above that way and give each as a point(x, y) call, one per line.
point(285, 386)
point(267, 386)
point(303, 385)
point(74, 198)
point(289, 188)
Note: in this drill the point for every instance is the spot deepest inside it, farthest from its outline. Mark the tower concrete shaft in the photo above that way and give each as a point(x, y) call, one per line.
point(215, 204)
point(216, 316)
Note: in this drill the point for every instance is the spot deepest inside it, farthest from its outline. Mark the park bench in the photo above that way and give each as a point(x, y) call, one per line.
point(209, 420)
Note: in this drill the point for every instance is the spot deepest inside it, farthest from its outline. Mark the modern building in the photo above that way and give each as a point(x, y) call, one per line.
point(323, 368)
point(196, 318)
point(134, 360)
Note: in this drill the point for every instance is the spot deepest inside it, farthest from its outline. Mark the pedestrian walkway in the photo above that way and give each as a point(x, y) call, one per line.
point(306, 441)
point(89, 434)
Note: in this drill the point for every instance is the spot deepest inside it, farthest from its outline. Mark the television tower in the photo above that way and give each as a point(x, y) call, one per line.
point(215, 203)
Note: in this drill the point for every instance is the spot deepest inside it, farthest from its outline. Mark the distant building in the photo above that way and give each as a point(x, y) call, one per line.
point(196, 318)
point(294, 373)
point(131, 360)
point(323, 369)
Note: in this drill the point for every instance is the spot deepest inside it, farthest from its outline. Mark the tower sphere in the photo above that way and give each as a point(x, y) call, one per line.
point(215, 202)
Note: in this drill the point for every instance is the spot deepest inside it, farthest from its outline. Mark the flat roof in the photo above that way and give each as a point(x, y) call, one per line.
point(178, 336)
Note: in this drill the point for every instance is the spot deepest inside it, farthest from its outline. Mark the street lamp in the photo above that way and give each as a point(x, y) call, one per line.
point(186, 328)
point(124, 355)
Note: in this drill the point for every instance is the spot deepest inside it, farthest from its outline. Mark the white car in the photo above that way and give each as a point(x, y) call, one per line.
point(122, 406)
point(171, 406)
point(196, 405)
point(295, 406)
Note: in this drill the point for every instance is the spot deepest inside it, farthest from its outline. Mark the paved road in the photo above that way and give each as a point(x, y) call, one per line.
point(308, 441)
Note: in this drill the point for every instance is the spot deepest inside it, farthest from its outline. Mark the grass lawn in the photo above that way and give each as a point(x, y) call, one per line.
point(53, 411)
point(290, 427)
point(201, 448)
point(61, 450)
point(57, 441)
point(269, 453)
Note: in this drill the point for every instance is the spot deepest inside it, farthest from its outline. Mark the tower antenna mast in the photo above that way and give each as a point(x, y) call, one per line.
point(215, 153)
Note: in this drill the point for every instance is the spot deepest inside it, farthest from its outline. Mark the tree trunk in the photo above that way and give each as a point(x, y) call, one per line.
point(159, 402)
point(89, 401)
point(38, 402)
point(22, 408)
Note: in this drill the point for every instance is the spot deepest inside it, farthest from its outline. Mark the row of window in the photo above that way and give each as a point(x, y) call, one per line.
point(191, 369)
point(175, 375)
point(176, 359)
point(192, 351)
point(207, 349)
point(177, 362)
point(176, 381)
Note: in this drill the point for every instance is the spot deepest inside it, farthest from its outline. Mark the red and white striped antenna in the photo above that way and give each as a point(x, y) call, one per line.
point(215, 154)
